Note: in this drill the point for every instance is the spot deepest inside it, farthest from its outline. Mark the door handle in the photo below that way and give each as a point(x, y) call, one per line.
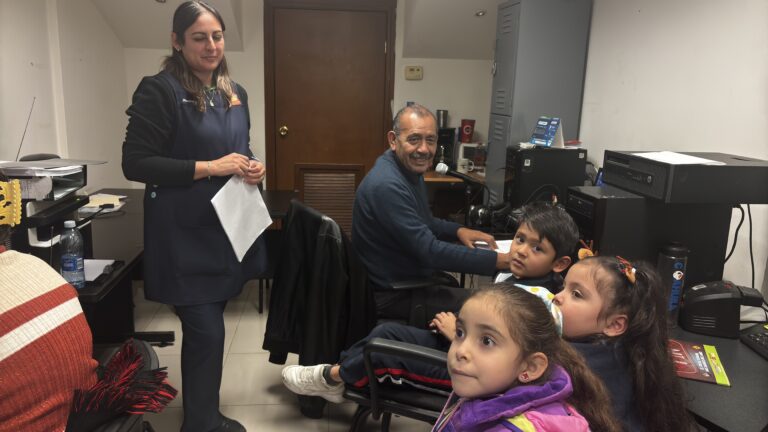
point(283, 131)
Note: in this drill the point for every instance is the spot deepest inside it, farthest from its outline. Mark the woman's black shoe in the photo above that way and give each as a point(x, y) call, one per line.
point(229, 425)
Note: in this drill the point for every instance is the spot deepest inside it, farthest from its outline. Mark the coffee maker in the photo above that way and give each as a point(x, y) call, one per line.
point(446, 147)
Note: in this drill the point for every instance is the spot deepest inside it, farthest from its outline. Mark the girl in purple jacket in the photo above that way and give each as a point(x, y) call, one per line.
point(511, 370)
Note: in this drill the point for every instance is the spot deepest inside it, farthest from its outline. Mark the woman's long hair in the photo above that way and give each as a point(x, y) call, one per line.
point(658, 394)
point(175, 64)
point(533, 329)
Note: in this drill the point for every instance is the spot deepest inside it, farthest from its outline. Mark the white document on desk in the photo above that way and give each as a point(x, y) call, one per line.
point(95, 267)
point(674, 158)
point(242, 213)
point(503, 246)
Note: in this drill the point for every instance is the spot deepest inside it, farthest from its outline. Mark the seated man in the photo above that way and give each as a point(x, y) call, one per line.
point(393, 229)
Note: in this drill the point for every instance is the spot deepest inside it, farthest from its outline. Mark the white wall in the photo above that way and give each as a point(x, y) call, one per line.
point(683, 75)
point(463, 87)
point(25, 73)
point(93, 82)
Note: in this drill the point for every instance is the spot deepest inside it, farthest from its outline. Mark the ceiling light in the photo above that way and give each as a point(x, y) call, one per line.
point(480, 13)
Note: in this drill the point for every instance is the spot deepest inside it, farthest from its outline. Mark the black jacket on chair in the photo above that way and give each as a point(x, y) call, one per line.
point(320, 304)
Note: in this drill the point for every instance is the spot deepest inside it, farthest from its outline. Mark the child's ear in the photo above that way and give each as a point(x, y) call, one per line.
point(615, 325)
point(533, 367)
point(561, 264)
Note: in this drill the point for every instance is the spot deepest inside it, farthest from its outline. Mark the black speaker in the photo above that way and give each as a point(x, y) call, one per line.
point(535, 174)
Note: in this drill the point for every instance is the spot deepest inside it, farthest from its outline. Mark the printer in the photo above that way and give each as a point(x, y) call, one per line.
point(718, 178)
point(651, 198)
point(48, 192)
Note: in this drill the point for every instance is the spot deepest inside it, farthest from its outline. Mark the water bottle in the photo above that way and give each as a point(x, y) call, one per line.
point(673, 259)
point(71, 243)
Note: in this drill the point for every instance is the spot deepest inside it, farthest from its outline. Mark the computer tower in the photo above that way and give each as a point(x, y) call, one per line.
point(537, 173)
point(613, 219)
point(446, 147)
point(623, 223)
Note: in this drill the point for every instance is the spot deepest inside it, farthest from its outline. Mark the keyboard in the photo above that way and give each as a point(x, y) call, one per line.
point(757, 339)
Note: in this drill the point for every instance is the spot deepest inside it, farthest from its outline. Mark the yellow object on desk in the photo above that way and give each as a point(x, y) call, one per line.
point(97, 200)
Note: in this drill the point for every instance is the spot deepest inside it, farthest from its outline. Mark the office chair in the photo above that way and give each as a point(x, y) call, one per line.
point(380, 401)
point(318, 261)
point(123, 422)
point(273, 240)
point(330, 189)
point(319, 304)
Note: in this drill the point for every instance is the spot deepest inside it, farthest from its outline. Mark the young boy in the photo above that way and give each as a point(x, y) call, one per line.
point(542, 247)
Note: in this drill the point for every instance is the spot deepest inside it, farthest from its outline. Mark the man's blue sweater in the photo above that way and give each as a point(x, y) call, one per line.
point(395, 234)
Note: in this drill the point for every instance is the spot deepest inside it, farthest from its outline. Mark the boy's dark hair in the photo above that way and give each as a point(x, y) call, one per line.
point(553, 223)
point(533, 329)
point(644, 341)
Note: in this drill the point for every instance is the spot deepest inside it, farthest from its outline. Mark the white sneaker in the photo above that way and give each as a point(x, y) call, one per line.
point(309, 381)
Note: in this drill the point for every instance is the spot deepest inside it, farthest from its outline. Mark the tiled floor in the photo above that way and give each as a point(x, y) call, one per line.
point(251, 391)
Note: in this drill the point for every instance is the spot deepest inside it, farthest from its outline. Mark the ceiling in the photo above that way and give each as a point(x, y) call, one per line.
point(147, 23)
point(433, 28)
point(449, 29)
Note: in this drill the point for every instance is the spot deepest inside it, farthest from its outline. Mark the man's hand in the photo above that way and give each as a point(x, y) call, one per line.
point(502, 261)
point(468, 237)
point(445, 323)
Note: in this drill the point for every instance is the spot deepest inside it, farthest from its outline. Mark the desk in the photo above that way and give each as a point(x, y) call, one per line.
point(435, 177)
point(447, 195)
point(108, 305)
point(742, 407)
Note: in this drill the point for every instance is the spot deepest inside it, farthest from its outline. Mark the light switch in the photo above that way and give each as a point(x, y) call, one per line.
point(414, 73)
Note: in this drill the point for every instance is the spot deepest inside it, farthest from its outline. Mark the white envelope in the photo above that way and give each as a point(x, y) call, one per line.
point(242, 213)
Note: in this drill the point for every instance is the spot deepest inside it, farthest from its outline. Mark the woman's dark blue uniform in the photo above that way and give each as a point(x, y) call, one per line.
point(188, 260)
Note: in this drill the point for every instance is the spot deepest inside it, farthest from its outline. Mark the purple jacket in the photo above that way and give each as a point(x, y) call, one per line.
point(540, 407)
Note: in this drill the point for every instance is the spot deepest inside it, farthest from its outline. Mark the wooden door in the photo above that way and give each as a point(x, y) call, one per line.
point(328, 84)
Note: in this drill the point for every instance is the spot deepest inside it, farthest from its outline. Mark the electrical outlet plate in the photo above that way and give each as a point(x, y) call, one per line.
point(414, 73)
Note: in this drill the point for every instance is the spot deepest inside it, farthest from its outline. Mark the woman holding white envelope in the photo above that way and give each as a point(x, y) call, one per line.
point(187, 135)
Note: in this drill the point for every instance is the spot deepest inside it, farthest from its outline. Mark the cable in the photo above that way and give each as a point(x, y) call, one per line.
point(555, 190)
point(735, 234)
point(751, 253)
point(87, 219)
point(111, 214)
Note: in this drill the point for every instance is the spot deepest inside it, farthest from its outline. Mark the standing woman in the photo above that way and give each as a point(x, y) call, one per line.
point(186, 136)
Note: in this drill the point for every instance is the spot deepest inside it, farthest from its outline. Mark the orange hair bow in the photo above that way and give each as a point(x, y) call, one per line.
point(627, 269)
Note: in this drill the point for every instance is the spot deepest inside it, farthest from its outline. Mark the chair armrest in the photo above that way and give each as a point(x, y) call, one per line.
point(395, 348)
point(412, 284)
point(406, 350)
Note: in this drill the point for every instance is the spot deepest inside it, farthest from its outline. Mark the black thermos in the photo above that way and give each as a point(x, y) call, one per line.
point(673, 259)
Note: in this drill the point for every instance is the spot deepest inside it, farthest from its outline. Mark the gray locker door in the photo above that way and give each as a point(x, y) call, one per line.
point(551, 62)
point(507, 27)
point(496, 160)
